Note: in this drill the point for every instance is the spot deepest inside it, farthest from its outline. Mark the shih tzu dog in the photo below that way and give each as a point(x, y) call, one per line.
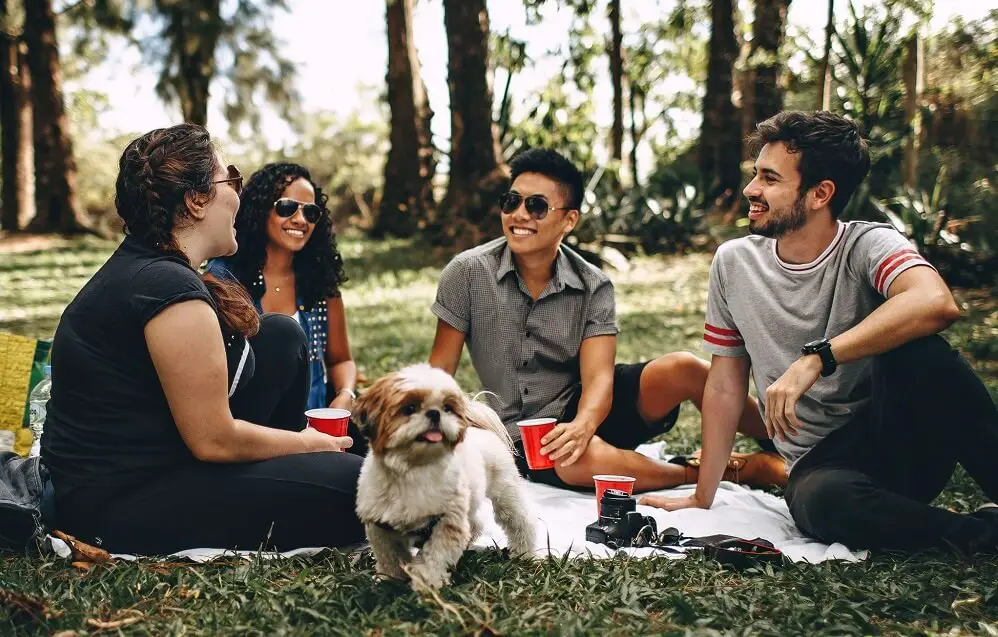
point(435, 455)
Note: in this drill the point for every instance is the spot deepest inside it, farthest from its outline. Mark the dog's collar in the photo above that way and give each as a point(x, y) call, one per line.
point(422, 534)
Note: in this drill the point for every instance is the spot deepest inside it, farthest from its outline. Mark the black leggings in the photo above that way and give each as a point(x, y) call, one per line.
point(869, 483)
point(282, 503)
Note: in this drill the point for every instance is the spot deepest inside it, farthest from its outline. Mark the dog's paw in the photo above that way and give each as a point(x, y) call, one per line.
point(398, 576)
point(520, 552)
point(426, 579)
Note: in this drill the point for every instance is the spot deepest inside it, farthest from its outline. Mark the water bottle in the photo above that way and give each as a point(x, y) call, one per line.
point(36, 410)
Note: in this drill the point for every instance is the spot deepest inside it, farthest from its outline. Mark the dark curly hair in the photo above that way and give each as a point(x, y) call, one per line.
point(157, 173)
point(831, 147)
point(553, 165)
point(318, 266)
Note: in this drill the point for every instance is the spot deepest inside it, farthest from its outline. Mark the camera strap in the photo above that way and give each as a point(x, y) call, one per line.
point(727, 549)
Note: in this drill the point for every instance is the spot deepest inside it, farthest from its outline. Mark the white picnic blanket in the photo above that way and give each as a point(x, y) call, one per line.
point(562, 517)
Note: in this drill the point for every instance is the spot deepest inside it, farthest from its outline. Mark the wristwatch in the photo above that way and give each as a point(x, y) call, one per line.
point(353, 396)
point(824, 351)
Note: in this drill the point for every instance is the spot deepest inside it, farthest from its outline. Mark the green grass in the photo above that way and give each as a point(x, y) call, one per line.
point(661, 306)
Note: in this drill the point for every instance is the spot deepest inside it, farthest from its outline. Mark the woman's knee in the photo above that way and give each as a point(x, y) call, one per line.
point(280, 328)
point(678, 369)
point(681, 364)
point(280, 339)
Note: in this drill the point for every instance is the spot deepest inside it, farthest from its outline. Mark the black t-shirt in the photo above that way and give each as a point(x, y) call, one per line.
point(108, 422)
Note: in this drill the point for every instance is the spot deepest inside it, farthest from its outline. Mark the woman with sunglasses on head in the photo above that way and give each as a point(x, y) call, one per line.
point(176, 419)
point(288, 261)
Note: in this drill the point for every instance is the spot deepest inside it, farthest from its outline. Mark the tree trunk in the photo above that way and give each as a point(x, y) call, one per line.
point(617, 79)
point(824, 101)
point(194, 31)
point(632, 100)
point(10, 98)
point(25, 142)
point(914, 81)
point(469, 212)
point(57, 206)
point(720, 131)
point(768, 32)
point(407, 196)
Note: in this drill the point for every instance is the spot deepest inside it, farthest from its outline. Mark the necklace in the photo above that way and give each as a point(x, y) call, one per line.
point(277, 288)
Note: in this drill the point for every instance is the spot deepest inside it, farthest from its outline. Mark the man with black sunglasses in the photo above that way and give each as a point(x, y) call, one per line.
point(541, 328)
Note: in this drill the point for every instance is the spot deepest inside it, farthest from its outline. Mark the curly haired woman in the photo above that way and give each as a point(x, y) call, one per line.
point(288, 261)
point(176, 419)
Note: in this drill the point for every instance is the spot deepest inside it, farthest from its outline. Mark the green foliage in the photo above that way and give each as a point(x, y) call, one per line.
point(653, 215)
point(509, 55)
point(959, 113)
point(660, 307)
point(242, 52)
point(665, 66)
point(960, 110)
point(96, 157)
point(869, 48)
point(344, 155)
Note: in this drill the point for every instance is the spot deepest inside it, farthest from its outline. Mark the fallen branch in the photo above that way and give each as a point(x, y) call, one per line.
point(133, 617)
point(23, 606)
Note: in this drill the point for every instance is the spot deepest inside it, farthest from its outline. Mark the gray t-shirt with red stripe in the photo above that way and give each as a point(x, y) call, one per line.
point(761, 307)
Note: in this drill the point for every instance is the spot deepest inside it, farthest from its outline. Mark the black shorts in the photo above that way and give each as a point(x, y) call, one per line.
point(623, 427)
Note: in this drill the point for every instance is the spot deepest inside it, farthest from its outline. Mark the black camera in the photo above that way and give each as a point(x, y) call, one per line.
point(619, 524)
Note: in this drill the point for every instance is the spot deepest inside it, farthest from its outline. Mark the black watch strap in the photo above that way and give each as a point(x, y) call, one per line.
point(824, 351)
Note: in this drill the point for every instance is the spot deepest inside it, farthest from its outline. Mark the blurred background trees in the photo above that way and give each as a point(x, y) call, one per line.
point(651, 98)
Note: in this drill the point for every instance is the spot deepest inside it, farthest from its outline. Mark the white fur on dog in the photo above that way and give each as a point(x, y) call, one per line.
point(408, 483)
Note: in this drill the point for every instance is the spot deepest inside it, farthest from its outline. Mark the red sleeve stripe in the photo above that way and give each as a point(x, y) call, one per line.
point(720, 331)
point(723, 342)
point(878, 278)
point(917, 259)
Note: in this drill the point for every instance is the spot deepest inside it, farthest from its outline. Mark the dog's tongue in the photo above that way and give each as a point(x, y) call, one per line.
point(433, 436)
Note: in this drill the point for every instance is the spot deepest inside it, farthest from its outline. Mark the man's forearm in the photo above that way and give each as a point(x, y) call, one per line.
point(595, 401)
point(444, 363)
point(721, 413)
point(901, 319)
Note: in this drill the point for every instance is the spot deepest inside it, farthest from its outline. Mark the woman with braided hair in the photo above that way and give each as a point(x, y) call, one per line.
point(289, 263)
point(176, 419)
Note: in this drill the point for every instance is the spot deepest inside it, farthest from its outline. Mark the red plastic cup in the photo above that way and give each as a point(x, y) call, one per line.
point(328, 420)
point(531, 432)
point(604, 482)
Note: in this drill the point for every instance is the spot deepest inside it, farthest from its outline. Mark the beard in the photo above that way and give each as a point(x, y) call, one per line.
point(780, 225)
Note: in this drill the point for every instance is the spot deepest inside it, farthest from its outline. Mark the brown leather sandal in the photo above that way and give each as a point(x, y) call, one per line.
point(761, 469)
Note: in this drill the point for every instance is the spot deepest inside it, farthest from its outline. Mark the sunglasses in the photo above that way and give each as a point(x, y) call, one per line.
point(235, 178)
point(536, 205)
point(288, 207)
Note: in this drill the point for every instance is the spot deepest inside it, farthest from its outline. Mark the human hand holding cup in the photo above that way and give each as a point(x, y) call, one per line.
point(315, 440)
point(531, 433)
point(330, 421)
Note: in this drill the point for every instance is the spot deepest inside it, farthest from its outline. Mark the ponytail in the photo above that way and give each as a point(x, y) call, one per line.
point(236, 312)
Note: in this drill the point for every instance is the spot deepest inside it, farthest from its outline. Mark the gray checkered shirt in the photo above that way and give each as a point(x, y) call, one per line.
point(525, 351)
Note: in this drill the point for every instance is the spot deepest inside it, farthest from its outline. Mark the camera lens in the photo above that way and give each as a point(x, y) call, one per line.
point(616, 504)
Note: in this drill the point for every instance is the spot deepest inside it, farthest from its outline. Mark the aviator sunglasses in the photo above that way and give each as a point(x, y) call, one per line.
point(288, 207)
point(536, 205)
point(235, 178)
